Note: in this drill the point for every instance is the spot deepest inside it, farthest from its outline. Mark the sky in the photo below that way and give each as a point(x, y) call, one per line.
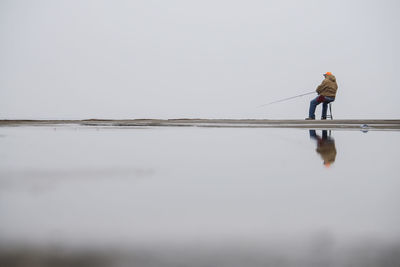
point(120, 59)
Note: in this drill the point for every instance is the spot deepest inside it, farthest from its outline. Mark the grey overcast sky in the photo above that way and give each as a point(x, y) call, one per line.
point(83, 59)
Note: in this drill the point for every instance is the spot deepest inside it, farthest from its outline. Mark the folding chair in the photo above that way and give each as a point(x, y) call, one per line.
point(329, 114)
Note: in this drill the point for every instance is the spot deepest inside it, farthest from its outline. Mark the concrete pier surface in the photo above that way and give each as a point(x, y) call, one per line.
point(247, 123)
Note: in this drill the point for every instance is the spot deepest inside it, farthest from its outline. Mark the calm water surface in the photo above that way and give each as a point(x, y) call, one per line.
point(172, 196)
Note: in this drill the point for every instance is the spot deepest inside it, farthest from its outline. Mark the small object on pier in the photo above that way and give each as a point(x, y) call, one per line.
point(364, 128)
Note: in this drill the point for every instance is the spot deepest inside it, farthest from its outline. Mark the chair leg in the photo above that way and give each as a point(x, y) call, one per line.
point(330, 111)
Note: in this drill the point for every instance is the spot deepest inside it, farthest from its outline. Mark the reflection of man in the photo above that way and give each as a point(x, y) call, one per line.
point(325, 147)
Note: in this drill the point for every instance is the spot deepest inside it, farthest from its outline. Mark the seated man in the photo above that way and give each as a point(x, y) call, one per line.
point(326, 94)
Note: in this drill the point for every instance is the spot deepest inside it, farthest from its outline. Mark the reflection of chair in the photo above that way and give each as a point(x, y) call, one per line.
point(329, 114)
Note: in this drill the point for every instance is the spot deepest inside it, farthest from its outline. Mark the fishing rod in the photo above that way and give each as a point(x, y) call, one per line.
point(288, 98)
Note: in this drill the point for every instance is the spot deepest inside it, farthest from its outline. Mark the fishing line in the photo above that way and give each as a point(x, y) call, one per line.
point(288, 98)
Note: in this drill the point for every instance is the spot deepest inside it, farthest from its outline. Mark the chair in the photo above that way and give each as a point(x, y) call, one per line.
point(329, 114)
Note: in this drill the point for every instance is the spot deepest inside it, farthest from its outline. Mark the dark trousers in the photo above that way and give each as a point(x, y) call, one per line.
point(325, 100)
point(313, 135)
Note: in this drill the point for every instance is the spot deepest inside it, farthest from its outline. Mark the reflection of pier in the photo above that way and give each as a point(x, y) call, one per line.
point(248, 123)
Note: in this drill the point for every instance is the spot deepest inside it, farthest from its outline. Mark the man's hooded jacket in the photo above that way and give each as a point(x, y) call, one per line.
point(328, 87)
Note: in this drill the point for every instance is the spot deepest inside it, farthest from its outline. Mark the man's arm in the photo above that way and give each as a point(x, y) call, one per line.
point(321, 87)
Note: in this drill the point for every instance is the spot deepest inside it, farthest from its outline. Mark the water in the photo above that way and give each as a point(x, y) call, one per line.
point(173, 196)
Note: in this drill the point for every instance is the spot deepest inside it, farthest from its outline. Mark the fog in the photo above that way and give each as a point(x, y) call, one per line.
point(191, 59)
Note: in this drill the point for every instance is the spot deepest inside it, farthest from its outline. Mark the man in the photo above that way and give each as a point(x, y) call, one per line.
point(326, 94)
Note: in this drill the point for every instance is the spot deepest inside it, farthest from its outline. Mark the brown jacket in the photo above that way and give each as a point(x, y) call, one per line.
point(328, 87)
